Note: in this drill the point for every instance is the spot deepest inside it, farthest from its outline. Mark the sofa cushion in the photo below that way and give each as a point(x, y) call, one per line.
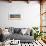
point(11, 30)
point(23, 31)
point(17, 30)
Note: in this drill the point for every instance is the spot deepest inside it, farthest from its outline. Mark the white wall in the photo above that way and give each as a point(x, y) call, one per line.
point(30, 14)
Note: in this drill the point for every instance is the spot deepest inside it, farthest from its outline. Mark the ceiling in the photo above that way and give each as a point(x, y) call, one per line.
point(23, 0)
point(20, 0)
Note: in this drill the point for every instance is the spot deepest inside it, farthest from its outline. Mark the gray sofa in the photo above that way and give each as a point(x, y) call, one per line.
point(22, 38)
point(17, 35)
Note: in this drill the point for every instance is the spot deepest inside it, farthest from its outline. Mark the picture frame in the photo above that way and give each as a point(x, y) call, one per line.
point(14, 17)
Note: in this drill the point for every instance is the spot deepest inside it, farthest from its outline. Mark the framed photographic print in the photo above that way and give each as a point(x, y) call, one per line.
point(14, 16)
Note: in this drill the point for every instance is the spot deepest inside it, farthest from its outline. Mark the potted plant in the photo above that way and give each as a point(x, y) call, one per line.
point(37, 33)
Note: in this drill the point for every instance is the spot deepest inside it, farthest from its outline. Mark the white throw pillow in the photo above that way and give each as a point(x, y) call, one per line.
point(23, 31)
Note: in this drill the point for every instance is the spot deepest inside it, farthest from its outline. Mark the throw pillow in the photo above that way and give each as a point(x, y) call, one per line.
point(23, 31)
point(17, 30)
